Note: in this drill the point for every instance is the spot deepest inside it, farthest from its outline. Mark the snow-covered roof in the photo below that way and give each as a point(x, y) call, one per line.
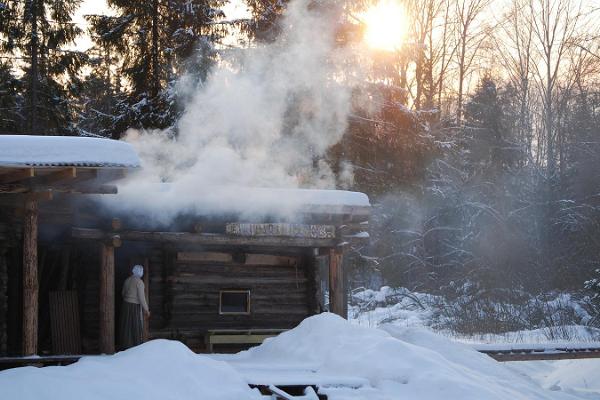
point(71, 151)
point(165, 201)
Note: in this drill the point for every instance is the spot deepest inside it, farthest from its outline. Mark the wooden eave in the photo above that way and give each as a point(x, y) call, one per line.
point(84, 180)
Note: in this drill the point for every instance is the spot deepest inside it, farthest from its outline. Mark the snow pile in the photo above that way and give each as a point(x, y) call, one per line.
point(21, 150)
point(400, 363)
point(344, 360)
point(159, 369)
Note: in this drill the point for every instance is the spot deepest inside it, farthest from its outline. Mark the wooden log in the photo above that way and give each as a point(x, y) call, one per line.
point(30, 278)
point(268, 259)
point(107, 300)
point(336, 283)
point(13, 188)
point(204, 238)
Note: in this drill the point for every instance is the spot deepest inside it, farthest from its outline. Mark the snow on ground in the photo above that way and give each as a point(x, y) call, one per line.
point(398, 363)
point(577, 377)
point(159, 369)
point(401, 307)
point(347, 361)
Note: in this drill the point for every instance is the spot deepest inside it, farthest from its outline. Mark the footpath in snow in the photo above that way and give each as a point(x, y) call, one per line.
point(347, 361)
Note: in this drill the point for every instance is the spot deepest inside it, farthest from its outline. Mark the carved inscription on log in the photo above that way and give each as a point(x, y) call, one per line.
point(281, 229)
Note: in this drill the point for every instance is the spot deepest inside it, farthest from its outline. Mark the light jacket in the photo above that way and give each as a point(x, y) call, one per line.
point(133, 292)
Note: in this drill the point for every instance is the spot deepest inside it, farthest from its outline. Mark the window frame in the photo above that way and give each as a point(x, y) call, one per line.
point(248, 296)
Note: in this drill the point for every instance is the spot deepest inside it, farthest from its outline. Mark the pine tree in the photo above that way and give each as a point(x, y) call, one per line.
point(156, 42)
point(38, 32)
point(11, 103)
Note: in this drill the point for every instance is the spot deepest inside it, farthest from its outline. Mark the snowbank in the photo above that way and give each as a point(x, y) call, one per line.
point(399, 362)
point(159, 369)
point(345, 360)
point(23, 150)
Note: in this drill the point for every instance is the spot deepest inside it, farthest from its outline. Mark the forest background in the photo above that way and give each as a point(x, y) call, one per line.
point(480, 155)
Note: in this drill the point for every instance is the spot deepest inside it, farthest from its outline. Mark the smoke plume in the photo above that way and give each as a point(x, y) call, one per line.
point(263, 120)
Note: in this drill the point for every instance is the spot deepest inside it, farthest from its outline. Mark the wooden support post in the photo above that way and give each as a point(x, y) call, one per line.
point(336, 283)
point(107, 300)
point(146, 331)
point(30, 278)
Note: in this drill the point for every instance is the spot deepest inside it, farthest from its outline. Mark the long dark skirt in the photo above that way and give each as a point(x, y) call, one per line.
point(131, 329)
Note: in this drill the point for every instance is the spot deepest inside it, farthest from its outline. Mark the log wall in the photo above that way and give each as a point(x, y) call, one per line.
point(184, 293)
point(10, 263)
point(3, 299)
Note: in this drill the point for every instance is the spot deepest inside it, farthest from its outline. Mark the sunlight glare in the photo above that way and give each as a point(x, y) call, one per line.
point(385, 25)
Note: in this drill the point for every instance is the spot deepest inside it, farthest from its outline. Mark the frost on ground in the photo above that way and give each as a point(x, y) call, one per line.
point(389, 363)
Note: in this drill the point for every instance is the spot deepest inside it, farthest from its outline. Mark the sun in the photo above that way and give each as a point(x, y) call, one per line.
point(385, 25)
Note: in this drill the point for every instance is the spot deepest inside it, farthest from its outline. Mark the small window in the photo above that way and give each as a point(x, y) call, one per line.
point(234, 302)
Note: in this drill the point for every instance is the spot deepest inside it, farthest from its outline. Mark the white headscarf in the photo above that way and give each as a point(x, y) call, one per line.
point(138, 271)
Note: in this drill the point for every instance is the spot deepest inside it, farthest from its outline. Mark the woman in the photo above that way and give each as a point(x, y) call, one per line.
point(134, 301)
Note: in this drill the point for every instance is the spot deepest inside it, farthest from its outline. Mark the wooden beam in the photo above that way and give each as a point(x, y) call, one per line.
point(336, 283)
point(107, 300)
point(57, 176)
point(30, 278)
point(203, 238)
point(17, 175)
point(86, 189)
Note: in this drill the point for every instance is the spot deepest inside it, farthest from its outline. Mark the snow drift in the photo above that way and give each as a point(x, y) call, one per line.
point(159, 369)
point(403, 363)
point(395, 363)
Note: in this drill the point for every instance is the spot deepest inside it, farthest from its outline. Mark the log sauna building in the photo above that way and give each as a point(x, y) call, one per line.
point(216, 281)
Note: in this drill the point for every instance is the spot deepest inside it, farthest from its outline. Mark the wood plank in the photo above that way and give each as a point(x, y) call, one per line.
point(64, 319)
point(203, 257)
point(30, 278)
point(107, 300)
point(239, 339)
point(281, 229)
point(542, 356)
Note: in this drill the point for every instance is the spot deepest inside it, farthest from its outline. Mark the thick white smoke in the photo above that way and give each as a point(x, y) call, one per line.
point(259, 122)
